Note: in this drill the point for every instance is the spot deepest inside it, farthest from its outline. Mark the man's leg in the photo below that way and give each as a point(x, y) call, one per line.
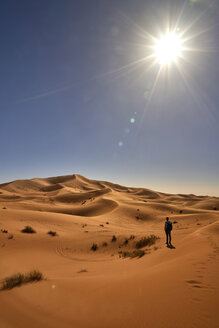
point(167, 238)
point(170, 237)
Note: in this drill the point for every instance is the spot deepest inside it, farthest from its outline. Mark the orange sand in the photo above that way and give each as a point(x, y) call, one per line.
point(169, 288)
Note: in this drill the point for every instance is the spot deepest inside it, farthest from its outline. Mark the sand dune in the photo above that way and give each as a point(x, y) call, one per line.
point(167, 287)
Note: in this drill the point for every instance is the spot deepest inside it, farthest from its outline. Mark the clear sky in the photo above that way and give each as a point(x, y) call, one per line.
point(79, 93)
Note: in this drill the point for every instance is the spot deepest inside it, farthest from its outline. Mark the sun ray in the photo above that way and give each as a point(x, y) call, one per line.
point(189, 26)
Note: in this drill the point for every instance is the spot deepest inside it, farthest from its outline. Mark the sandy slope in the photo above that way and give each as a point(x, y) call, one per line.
point(165, 288)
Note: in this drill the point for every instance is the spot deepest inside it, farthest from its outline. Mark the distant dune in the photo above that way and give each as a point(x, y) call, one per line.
point(83, 287)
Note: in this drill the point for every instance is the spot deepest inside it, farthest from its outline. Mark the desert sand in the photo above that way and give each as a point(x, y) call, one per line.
point(167, 287)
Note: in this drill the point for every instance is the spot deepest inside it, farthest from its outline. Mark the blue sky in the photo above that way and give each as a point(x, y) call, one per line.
point(73, 101)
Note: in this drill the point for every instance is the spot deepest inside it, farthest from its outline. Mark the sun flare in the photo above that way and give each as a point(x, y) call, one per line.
point(168, 48)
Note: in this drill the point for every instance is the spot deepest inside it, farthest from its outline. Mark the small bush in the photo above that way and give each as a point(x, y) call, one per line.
point(94, 247)
point(105, 244)
point(20, 279)
point(131, 237)
point(126, 242)
point(4, 231)
point(146, 241)
point(82, 271)
point(28, 229)
point(114, 238)
point(136, 253)
point(52, 233)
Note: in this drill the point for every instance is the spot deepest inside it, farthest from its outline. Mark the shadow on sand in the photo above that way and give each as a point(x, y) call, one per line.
point(171, 246)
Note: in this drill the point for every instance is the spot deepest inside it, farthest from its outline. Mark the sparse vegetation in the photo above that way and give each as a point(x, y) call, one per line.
point(174, 222)
point(101, 225)
point(28, 229)
point(4, 231)
point(52, 233)
point(126, 241)
point(10, 236)
point(82, 271)
point(105, 244)
point(20, 279)
point(94, 247)
point(146, 241)
point(136, 253)
point(114, 238)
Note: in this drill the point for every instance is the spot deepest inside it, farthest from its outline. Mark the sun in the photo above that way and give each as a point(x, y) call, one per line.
point(168, 48)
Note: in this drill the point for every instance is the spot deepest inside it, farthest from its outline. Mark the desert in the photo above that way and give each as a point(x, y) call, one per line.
point(95, 273)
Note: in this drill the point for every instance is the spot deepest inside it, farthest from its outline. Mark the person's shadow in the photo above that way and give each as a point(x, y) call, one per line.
point(171, 246)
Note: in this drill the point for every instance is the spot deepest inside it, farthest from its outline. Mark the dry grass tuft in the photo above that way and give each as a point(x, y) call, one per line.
point(136, 253)
point(94, 247)
point(19, 279)
point(52, 233)
point(82, 271)
point(28, 229)
point(114, 238)
point(146, 241)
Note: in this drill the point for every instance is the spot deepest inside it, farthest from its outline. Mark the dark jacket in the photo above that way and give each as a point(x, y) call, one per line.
point(168, 226)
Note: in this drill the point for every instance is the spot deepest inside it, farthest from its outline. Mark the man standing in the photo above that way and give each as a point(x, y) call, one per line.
point(168, 227)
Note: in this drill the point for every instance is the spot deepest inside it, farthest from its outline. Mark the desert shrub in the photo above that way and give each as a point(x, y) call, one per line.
point(146, 241)
point(136, 253)
point(82, 271)
point(114, 238)
point(174, 222)
point(126, 241)
point(94, 247)
point(10, 236)
point(101, 225)
point(105, 244)
point(52, 233)
point(28, 229)
point(4, 231)
point(20, 279)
